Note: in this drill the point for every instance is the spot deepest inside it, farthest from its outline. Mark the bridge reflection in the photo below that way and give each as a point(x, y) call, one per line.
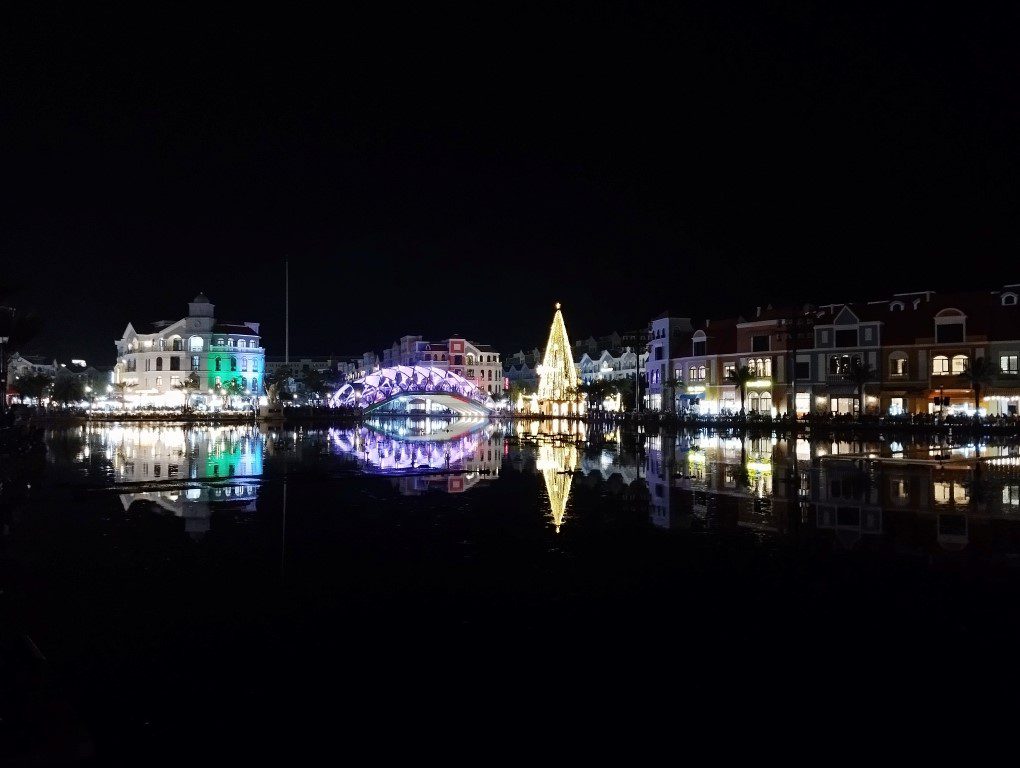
point(426, 453)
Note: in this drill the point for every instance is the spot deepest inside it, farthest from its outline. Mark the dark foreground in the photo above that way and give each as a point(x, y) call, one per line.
point(340, 611)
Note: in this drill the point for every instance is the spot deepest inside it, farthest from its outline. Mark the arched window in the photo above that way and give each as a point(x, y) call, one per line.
point(959, 363)
point(244, 363)
point(896, 306)
point(940, 365)
point(768, 366)
point(233, 363)
point(752, 401)
point(701, 372)
point(159, 363)
point(217, 367)
point(242, 344)
point(195, 343)
point(230, 342)
point(692, 373)
point(765, 402)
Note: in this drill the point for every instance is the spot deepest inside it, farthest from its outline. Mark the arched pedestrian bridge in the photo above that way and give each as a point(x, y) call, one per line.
point(413, 389)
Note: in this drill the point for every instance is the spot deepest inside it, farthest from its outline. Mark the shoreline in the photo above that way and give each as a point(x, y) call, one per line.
point(800, 426)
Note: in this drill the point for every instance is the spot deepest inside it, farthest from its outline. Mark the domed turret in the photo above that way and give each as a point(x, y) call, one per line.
point(201, 307)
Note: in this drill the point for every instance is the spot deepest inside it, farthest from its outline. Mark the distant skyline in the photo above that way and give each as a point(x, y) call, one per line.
point(460, 173)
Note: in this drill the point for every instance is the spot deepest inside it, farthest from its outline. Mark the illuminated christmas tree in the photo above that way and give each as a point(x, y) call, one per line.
point(557, 377)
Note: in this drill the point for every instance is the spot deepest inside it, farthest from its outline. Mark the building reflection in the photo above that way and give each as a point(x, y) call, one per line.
point(189, 472)
point(915, 494)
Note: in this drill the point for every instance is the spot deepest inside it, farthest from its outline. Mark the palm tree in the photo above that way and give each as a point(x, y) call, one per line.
point(740, 377)
point(673, 384)
point(860, 373)
point(122, 387)
point(980, 373)
point(189, 385)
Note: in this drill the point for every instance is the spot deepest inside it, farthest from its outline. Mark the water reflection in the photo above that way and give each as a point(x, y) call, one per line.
point(423, 454)
point(188, 472)
point(897, 492)
point(927, 495)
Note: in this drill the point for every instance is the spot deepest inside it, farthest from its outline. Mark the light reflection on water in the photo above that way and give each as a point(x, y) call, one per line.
point(851, 490)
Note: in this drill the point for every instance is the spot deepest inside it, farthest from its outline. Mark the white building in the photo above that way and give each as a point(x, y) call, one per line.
point(622, 366)
point(154, 359)
point(19, 365)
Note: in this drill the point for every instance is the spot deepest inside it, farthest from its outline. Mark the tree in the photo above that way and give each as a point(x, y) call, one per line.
point(189, 386)
point(314, 383)
point(68, 388)
point(19, 327)
point(229, 389)
point(516, 391)
point(672, 384)
point(122, 387)
point(625, 388)
point(740, 377)
point(32, 386)
point(980, 373)
point(860, 373)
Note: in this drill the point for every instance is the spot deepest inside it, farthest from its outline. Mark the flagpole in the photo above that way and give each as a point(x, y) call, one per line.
point(286, 314)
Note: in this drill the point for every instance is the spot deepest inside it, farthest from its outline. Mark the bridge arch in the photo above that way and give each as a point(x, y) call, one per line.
point(421, 389)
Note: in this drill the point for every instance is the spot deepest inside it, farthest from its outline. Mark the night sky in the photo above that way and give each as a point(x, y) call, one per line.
point(459, 172)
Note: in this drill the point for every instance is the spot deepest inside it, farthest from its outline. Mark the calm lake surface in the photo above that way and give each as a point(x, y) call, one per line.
point(237, 587)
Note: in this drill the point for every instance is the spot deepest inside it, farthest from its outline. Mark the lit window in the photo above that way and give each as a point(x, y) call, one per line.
point(959, 364)
point(940, 365)
point(1008, 364)
point(898, 364)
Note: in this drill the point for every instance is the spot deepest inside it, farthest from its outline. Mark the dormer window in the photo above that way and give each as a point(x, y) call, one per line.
point(699, 344)
point(896, 306)
point(1008, 299)
point(950, 326)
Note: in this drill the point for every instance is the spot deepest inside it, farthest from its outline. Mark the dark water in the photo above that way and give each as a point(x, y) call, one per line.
point(240, 590)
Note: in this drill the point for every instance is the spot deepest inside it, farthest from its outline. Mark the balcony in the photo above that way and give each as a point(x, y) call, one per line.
point(237, 350)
